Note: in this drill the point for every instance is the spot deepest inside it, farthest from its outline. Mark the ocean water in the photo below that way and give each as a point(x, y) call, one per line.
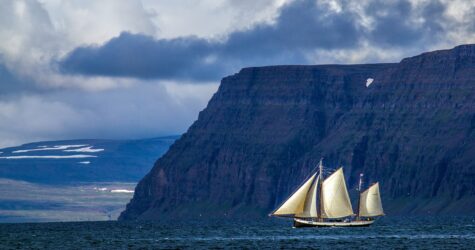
point(387, 233)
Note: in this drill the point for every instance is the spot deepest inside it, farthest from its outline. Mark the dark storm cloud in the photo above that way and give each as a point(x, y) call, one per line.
point(395, 23)
point(301, 26)
point(142, 56)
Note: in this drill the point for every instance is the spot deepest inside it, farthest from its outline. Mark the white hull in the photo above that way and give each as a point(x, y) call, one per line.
point(307, 223)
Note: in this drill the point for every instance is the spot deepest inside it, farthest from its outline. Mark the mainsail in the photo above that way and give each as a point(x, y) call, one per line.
point(370, 202)
point(334, 201)
point(335, 198)
point(302, 203)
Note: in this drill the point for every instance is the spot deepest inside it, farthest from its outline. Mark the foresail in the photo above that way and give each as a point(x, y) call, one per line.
point(370, 203)
point(295, 204)
point(335, 198)
point(310, 205)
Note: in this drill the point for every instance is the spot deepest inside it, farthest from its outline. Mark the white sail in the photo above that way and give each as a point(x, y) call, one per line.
point(296, 203)
point(310, 205)
point(335, 198)
point(370, 202)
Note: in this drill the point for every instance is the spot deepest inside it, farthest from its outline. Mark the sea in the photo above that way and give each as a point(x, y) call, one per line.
point(390, 232)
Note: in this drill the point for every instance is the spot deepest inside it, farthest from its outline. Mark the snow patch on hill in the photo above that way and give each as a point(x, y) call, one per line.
point(46, 156)
point(43, 148)
point(85, 150)
point(369, 81)
point(121, 191)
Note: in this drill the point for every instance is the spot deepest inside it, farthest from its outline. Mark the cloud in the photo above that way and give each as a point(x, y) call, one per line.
point(29, 118)
point(405, 24)
point(34, 33)
point(301, 26)
point(303, 31)
point(137, 111)
point(92, 21)
point(26, 35)
point(142, 56)
point(10, 82)
point(209, 18)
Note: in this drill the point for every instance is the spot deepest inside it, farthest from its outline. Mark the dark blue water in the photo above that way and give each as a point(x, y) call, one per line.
point(386, 233)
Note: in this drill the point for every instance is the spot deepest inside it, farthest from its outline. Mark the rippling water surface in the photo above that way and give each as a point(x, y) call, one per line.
point(386, 233)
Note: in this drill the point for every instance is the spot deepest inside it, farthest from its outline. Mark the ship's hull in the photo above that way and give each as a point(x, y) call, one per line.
point(307, 223)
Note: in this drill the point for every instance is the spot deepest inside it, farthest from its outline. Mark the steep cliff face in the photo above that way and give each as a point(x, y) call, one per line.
point(266, 128)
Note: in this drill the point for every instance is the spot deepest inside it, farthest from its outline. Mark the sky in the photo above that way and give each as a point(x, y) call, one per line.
point(124, 69)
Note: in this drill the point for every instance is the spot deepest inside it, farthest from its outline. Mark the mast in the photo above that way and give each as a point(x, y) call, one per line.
point(320, 195)
point(359, 196)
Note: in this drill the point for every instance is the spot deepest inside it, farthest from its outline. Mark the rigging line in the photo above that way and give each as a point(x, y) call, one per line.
point(329, 171)
point(314, 170)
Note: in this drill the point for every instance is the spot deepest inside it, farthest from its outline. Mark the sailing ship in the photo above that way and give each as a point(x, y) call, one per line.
point(320, 202)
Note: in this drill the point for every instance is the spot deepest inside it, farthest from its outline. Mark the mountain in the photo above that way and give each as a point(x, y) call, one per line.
point(73, 180)
point(409, 125)
point(62, 162)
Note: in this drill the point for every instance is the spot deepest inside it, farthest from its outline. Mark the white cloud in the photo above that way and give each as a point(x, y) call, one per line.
point(33, 117)
point(26, 34)
point(209, 18)
point(93, 22)
point(185, 93)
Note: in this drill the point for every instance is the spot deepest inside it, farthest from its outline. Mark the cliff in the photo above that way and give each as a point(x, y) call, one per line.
point(263, 132)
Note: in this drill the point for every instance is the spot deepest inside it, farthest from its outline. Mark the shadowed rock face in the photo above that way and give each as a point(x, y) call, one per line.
point(263, 132)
